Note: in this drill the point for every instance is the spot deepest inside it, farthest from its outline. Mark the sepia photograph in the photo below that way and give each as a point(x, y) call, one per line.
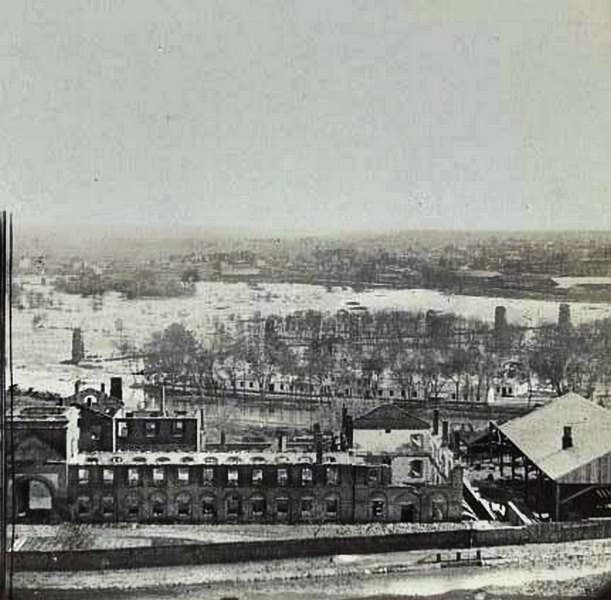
point(305, 299)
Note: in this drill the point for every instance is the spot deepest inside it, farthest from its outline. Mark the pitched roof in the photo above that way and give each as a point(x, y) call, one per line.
point(389, 416)
point(538, 434)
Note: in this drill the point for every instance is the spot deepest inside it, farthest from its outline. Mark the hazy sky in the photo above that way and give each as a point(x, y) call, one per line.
point(307, 115)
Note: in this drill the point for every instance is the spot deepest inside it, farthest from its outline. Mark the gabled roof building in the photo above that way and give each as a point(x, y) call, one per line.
point(565, 447)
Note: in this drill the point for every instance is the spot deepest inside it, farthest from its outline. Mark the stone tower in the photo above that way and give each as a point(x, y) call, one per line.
point(78, 346)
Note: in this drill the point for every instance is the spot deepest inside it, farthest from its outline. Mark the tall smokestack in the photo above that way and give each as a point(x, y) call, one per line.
point(500, 328)
point(78, 346)
point(349, 431)
point(77, 387)
point(567, 438)
point(444, 432)
point(436, 421)
point(564, 317)
point(202, 431)
point(162, 401)
point(103, 387)
point(318, 447)
point(116, 387)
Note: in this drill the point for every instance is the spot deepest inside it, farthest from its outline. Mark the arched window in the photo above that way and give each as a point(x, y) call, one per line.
point(83, 505)
point(132, 504)
point(377, 507)
point(307, 508)
point(108, 506)
point(306, 476)
point(158, 506)
point(439, 507)
point(257, 506)
point(331, 507)
point(208, 508)
point(183, 505)
point(282, 507)
point(233, 506)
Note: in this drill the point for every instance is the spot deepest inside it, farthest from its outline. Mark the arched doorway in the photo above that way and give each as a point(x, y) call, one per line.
point(33, 499)
point(408, 508)
point(439, 507)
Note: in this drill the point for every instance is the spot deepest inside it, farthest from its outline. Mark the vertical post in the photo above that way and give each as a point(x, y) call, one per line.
point(162, 406)
point(525, 480)
point(556, 501)
point(5, 423)
point(539, 490)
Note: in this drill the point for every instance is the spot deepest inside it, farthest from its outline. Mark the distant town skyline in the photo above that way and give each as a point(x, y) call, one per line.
point(304, 118)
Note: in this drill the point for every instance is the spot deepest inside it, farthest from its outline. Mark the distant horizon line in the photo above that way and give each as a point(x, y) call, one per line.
point(172, 231)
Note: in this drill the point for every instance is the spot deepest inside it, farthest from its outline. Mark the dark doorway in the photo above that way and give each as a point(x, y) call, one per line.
point(408, 514)
point(34, 500)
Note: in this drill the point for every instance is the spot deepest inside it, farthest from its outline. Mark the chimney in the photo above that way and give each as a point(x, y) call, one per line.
point(116, 387)
point(77, 386)
point(223, 439)
point(436, 422)
point(102, 387)
point(318, 445)
point(317, 442)
point(349, 431)
point(282, 442)
point(78, 346)
point(202, 431)
point(162, 401)
point(444, 432)
point(567, 438)
point(344, 415)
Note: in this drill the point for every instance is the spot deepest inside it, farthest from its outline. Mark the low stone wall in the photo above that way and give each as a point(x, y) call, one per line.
point(193, 554)
point(197, 553)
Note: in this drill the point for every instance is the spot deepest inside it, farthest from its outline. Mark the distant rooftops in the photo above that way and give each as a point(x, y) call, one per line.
point(389, 416)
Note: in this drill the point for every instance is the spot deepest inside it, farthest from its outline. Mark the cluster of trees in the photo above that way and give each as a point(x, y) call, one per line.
point(570, 358)
point(138, 283)
point(325, 355)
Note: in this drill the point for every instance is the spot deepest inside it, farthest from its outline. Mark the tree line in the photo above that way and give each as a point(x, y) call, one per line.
point(324, 355)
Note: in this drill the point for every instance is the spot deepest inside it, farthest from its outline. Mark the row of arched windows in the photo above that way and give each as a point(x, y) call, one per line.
point(184, 505)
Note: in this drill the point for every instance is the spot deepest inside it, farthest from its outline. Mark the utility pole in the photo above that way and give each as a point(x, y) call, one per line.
point(6, 408)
